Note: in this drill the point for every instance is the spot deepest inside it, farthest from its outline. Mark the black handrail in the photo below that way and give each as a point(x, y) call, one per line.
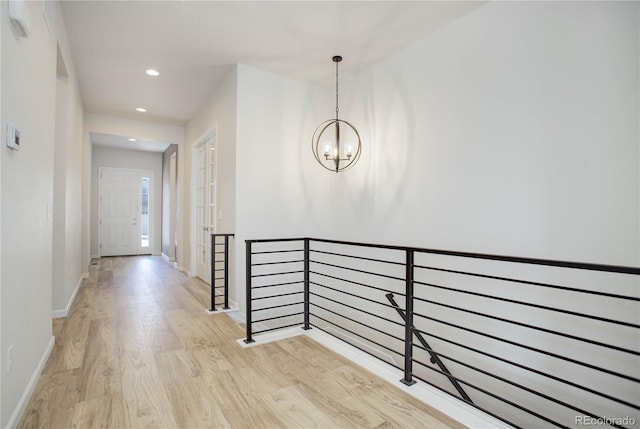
point(517, 259)
point(224, 270)
point(333, 293)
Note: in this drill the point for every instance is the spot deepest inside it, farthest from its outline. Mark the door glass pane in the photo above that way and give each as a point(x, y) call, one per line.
point(144, 213)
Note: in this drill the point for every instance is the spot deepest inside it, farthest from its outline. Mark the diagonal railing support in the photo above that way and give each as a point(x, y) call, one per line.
point(435, 359)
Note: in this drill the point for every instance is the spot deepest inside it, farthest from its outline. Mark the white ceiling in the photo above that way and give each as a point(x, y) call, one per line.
point(194, 44)
point(122, 142)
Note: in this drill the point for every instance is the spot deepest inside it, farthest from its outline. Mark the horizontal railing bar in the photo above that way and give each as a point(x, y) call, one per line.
point(353, 294)
point(527, 368)
point(493, 395)
point(357, 347)
point(273, 240)
point(357, 335)
point(277, 274)
point(275, 296)
point(536, 328)
point(358, 257)
point(530, 304)
point(276, 263)
point(358, 271)
point(276, 306)
point(549, 285)
point(524, 346)
point(359, 323)
point(357, 309)
point(223, 234)
point(274, 329)
point(510, 382)
point(278, 317)
point(219, 269)
point(517, 259)
point(218, 253)
point(356, 283)
point(277, 251)
point(218, 296)
point(277, 284)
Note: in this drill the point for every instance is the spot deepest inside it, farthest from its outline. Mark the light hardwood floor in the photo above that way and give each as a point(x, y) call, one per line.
point(138, 350)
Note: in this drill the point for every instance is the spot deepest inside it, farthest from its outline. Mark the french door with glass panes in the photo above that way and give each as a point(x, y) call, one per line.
point(204, 203)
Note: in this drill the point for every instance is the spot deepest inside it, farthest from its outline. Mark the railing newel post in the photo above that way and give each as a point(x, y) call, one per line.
point(248, 279)
point(226, 272)
point(306, 285)
point(408, 327)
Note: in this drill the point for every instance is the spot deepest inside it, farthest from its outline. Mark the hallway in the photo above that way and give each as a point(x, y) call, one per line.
point(139, 350)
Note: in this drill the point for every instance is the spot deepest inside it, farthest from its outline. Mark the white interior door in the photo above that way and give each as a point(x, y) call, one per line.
point(204, 204)
point(118, 212)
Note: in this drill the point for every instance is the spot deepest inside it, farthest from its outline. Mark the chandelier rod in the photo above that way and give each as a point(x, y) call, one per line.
point(337, 89)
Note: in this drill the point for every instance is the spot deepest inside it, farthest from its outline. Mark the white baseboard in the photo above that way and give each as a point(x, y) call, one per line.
point(184, 270)
point(450, 406)
point(231, 309)
point(238, 316)
point(156, 254)
point(168, 258)
point(63, 313)
point(94, 257)
point(26, 395)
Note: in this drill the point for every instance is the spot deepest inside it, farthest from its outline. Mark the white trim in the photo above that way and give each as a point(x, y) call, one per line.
point(26, 395)
point(457, 410)
point(283, 334)
point(93, 257)
point(221, 310)
point(210, 133)
point(63, 313)
point(153, 254)
point(149, 174)
point(238, 316)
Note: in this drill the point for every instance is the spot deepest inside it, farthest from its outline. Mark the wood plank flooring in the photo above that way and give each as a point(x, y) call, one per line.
point(138, 350)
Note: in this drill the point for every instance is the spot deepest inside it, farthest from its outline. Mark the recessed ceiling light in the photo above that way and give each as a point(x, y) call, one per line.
point(152, 72)
point(141, 109)
point(132, 140)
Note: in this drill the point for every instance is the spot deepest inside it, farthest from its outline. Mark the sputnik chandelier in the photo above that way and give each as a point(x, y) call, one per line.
point(336, 143)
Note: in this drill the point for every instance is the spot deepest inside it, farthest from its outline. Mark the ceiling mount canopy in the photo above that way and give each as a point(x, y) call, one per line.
point(336, 143)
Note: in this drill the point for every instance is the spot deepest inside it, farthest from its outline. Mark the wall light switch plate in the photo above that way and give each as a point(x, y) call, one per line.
point(13, 137)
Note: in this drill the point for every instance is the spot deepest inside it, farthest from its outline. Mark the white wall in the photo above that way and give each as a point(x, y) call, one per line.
point(513, 131)
point(218, 111)
point(68, 211)
point(28, 100)
point(280, 189)
point(130, 159)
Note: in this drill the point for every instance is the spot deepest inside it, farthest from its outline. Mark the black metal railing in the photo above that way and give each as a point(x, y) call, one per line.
point(220, 273)
point(528, 341)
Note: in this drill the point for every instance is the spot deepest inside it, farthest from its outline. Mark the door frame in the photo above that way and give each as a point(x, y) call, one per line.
point(210, 133)
point(141, 173)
